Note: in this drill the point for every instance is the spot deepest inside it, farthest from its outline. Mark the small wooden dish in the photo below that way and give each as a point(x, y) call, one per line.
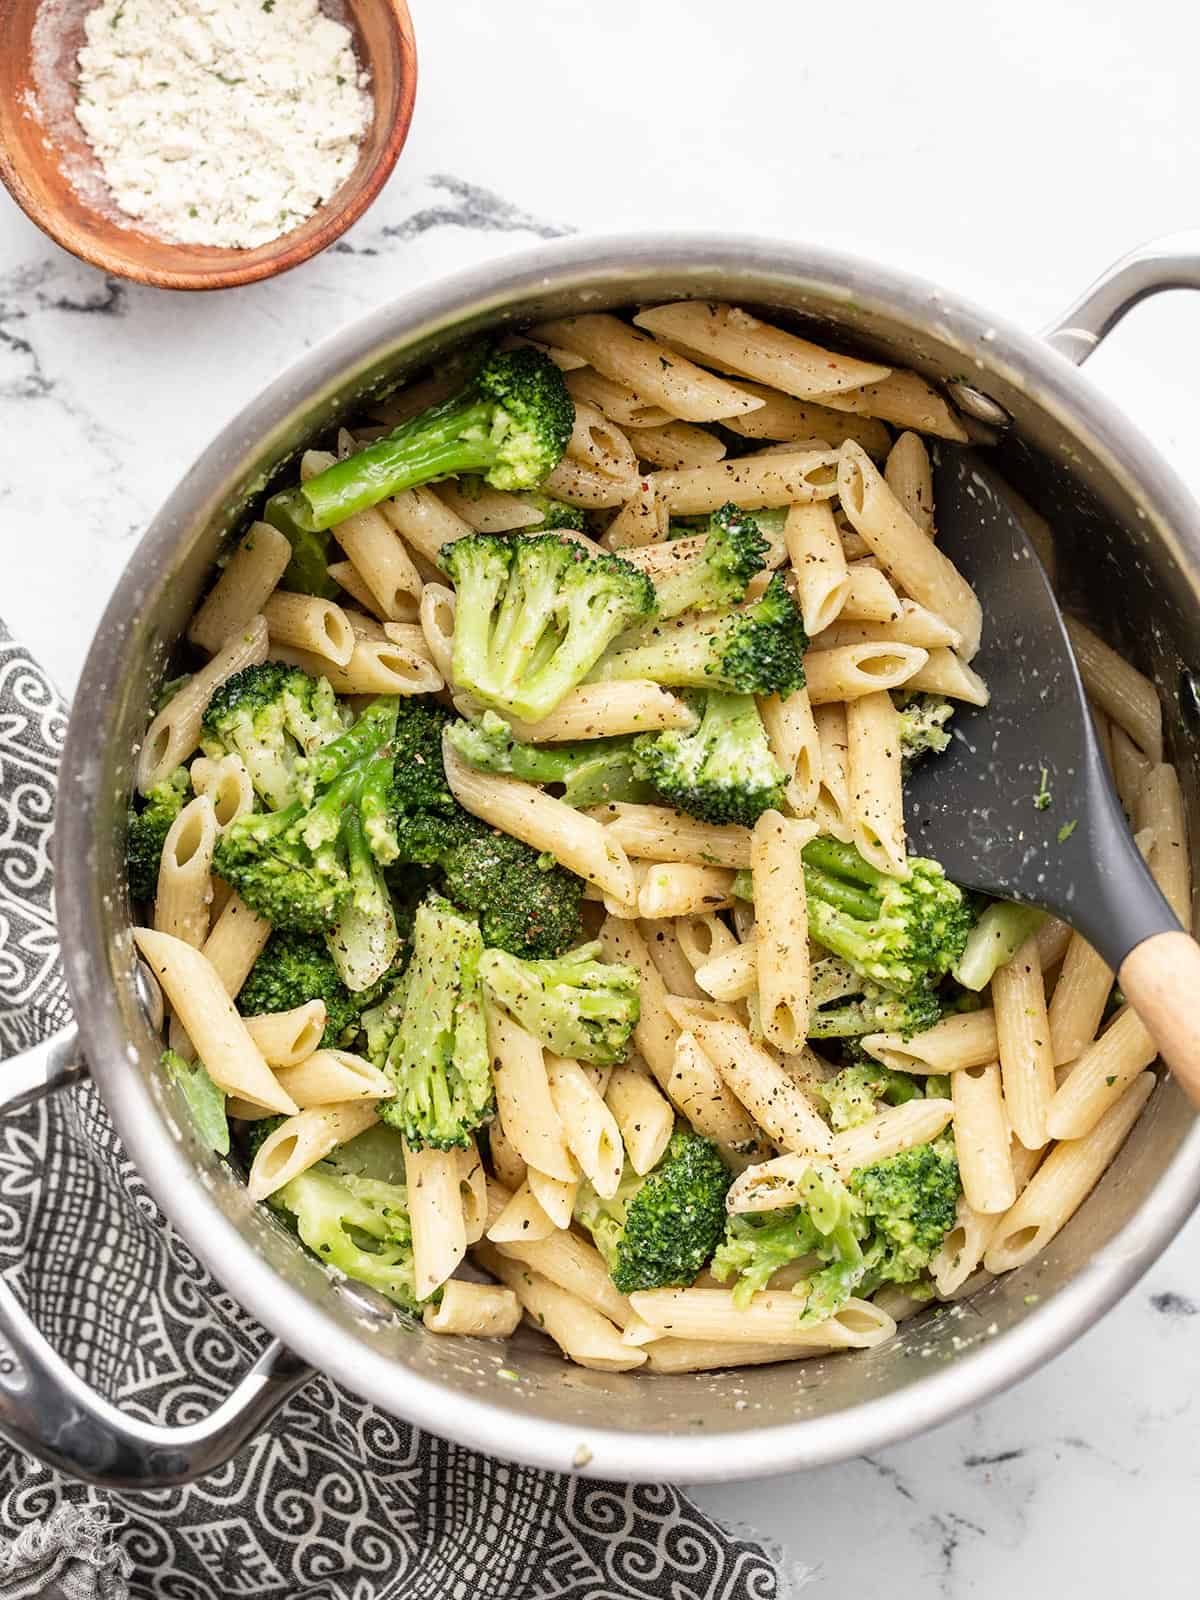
point(49, 169)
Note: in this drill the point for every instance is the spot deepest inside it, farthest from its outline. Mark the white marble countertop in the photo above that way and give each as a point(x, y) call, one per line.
point(1010, 149)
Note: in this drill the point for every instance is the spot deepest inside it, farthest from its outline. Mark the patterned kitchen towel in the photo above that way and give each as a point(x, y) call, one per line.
point(336, 1500)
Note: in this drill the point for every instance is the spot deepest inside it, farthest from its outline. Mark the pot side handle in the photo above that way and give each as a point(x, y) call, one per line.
point(1172, 262)
point(46, 1410)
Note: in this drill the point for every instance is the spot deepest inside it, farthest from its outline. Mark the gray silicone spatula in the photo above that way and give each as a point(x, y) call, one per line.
point(975, 808)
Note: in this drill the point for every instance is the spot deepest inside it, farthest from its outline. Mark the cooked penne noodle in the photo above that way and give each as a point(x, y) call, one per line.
point(1118, 688)
point(1130, 766)
point(782, 1110)
point(207, 1013)
point(894, 1129)
point(982, 1140)
point(641, 521)
point(522, 1218)
point(678, 889)
point(909, 476)
point(235, 943)
point(615, 400)
point(1024, 1044)
point(328, 1077)
point(870, 597)
point(832, 807)
point(815, 551)
point(175, 732)
point(698, 1091)
point(1160, 807)
point(962, 1250)
point(792, 735)
point(702, 939)
point(781, 944)
point(580, 484)
point(376, 666)
point(288, 1037)
point(732, 975)
point(1079, 999)
point(1100, 1076)
point(478, 1310)
point(662, 941)
point(966, 1040)
point(576, 841)
point(713, 1355)
point(914, 626)
point(772, 1317)
point(906, 401)
point(472, 1189)
point(676, 445)
point(751, 482)
point(598, 443)
point(602, 710)
point(439, 1232)
point(852, 670)
point(784, 418)
point(300, 1141)
point(904, 551)
point(948, 674)
point(181, 902)
point(487, 510)
point(588, 1125)
point(378, 553)
point(737, 342)
point(556, 1196)
point(424, 521)
point(644, 1117)
point(306, 622)
point(347, 576)
point(226, 784)
point(656, 833)
point(574, 1265)
point(875, 793)
point(249, 577)
point(1052, 939)
point(1064, 1180)
point(523, 1100)
point(506, 1163)
point(437, 626)
point(580, 1331)
point(653, 371)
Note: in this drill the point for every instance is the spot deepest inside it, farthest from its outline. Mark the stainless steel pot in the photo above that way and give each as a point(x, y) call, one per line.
point(1130, 547)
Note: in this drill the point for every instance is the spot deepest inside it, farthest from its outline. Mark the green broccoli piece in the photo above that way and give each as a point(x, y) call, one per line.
point(872, 1009)
point(756, 649)
point(923, 731)
point(205, 1101)
point(852, 1096)
point(294, 968)
point(909, 1204)
point(733, 553)
point(511, 423)
point(535, 613)
point(722, 769)
point(660, 1230)
point(902, 933)
point(591, 772)
point(438, 1056)
point(578, 1005)
point(272, 716)
point(525, 903)
point(1000, 931)
point(146, 831)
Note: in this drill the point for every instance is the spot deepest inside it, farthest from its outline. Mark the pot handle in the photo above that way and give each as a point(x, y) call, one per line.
point(1172, 262)
point(52, 1414)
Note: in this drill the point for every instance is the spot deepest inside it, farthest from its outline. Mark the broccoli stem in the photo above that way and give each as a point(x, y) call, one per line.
point(996, 937)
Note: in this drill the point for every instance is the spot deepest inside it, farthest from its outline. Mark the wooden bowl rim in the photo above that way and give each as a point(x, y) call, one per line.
point(95, 253)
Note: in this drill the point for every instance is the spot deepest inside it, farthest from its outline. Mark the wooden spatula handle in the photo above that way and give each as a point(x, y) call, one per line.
point(1161, 980)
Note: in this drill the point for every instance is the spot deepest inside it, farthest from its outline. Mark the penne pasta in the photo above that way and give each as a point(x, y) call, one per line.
point(522, 1218)
point(784, 418)
point(424, 521)
point(772, 1317)
point(439, 1232)
point(1079, 999)
point(556, 1196)
point(615, 400)
point(289, 1037)
point(662, 941)
point(580, 1331)
point(781, 1109)
point(1119, 689)
point(235, 943)
point(704, 938)
point(247, 580)
point(589, 1127)
point(677, 889)
point(853, 670)
point(870, 597)
point(485, 509)
point(644, 1117)
point(966, 1040)
point(175, 732)
point(792, 735)
point(914, 626)
point(1024, 1044)
point(300, 1141)
point(657, 833)
point(982, 1140)
point(306, 622)
point(1100, 1076)
point(376, 666)
point(477, 1310)
point(815, 551)
point(331, 1077)
point(346, 575)
point(874, 785)
point(1159, 807)
point(676, 444)
point(905, 400)
point(909, 476)
point(781, 942)
point(751, 482)
point(226, 784)
point(184, 892)
point(946, 673)
point(732, 975)
point(831, 810)
point(523, 1100)
point(603, 710)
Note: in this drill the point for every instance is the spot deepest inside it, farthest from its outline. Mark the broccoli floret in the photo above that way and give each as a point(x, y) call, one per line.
point(757, 649)
point(733, 552)
point(271, 715)
point(511, 423)
point(660, 1230)
point(923, 731)
point(146, 832)
point(294, 968)
point(902, 933)
point(851, 1096)
point(578, 1005)
point(883, 1226)
point(592, 772)
point(535, 613)
point(525, 903)
point(359, 1225)
point(303, 866)
point(438, 1057)
point(722, 769)
point(872, 1009)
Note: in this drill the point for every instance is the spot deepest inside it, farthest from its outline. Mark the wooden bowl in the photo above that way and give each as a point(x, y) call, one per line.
point(49, 168)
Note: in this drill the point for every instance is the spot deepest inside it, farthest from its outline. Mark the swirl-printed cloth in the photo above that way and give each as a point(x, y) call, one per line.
point(335, 1500)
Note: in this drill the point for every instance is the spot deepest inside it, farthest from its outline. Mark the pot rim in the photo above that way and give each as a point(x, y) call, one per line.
point(988, 343)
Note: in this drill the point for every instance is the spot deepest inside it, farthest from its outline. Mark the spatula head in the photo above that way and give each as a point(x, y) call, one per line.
point(1021, 805)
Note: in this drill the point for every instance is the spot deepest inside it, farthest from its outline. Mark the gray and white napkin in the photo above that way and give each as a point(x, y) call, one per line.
point(335, 1500)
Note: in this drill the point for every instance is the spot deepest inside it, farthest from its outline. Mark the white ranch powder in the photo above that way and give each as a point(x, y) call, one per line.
point(220, 122)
